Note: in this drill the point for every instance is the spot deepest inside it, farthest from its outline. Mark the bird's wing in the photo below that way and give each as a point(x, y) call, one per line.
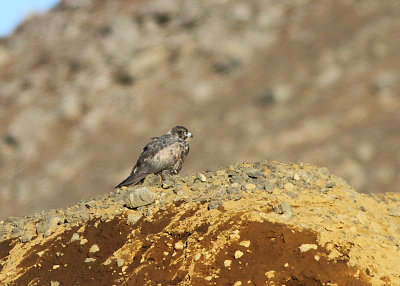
point(158, 155)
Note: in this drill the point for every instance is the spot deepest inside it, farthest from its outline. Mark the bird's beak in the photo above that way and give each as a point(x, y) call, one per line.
point(190, 135)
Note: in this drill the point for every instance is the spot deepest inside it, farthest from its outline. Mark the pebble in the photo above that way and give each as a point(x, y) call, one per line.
point(179, 192)
point(104, 217)
point(249, 187)
point(94, 248)
point(245, 243)
point(254, 173)
point(75, 237)
point(179, 245)
point(201, 177)
point(285, 209)
point(132, 219)
point(289, 187)
point(227, 263)
point(292, 195)
point(26, 237)
point(120, 262)
point(167, 184)
point(89, 259)
point(214, 205)
point(152, 180)
point(16, 232)
point(394, 212)
point(238, 254)
point(54, 283)
point(306, 247)
point(269, 187)
point(83, 241)
point(270, 274)
point(139, 197)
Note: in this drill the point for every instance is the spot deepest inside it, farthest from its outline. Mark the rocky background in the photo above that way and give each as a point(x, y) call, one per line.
point(266, 223)
point(84, 86)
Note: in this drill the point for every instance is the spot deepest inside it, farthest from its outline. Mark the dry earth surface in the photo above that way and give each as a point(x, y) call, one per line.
point(264, 223)
point(84, 86)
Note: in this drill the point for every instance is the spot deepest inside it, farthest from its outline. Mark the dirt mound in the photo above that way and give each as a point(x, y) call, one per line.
point(248, 224)
point(84, 86)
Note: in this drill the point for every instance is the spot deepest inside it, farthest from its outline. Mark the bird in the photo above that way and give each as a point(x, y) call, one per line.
point(164, 153)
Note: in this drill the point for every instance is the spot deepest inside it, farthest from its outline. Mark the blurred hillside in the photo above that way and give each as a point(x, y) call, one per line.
point(83, 87)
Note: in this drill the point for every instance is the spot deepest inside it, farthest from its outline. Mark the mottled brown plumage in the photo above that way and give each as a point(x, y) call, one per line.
point(166, 152)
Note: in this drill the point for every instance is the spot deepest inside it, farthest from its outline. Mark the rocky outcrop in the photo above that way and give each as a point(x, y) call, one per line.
point(84, 86)
point(248, 224)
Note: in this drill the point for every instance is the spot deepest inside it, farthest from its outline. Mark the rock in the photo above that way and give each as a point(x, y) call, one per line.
point(104, 217)
point(254, 173)
point(214, 205)
point(289, 187)
point(77, 216)
point(152, 180)
point(179, 192)
point(89, 259)
point(120, 262)
point(167, 184)
point(227, 263)
point(291, 194)
point(139, 197)
point(26, 237)
point(179, 245)
point(238, 254)
point(249, 187)
point(3, 231)
point(94, 248)
point(54, 283)
point(16, 232)
point(245, 243)
point(269, 187)
point(285, 209)
point(394, 212)
point(201, 177)
point(307, 247)
point(133, 219)
point(75, 237)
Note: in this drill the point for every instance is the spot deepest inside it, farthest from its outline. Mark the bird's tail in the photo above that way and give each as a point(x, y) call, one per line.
point(131, 180)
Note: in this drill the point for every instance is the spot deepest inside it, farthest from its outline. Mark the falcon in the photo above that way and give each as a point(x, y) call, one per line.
point(164, 153)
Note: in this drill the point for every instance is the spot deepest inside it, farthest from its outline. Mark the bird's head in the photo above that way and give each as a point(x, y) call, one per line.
point(181, 132)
